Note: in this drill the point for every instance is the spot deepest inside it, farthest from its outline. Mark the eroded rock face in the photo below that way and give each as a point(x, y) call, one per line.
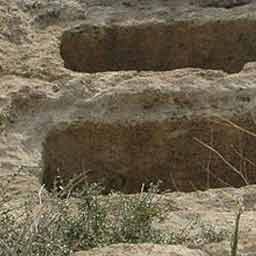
point(147, 129)
point(215, 40)
point(138, 115)
point(39, 94)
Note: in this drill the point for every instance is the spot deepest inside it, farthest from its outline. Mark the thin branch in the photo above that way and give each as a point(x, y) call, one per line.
point(234, 169)
point(40, 194)
point(238, 127)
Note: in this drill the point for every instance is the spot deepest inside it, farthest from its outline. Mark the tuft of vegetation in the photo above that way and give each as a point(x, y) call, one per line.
point(5, 119)
point(68, 220)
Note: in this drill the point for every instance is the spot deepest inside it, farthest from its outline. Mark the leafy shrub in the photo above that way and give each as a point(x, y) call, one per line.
point(58, 223)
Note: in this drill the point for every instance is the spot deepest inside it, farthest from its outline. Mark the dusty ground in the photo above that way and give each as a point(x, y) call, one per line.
point(39, 96)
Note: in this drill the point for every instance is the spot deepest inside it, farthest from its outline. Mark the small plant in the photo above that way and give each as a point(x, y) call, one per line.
point(88, 227)
point(32, 229)
point(135, 216)
point(4, 120)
